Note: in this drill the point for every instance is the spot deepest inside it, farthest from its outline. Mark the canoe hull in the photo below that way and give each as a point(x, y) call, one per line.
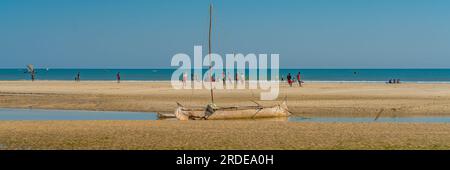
point(183, 113)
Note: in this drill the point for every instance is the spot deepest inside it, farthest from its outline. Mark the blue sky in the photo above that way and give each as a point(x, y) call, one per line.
point(146, 33)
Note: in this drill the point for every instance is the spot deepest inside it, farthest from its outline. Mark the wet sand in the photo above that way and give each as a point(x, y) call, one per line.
point(220, 135)
point(314, 99)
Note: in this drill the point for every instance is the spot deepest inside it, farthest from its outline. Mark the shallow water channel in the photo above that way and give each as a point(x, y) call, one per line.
point(41, 114)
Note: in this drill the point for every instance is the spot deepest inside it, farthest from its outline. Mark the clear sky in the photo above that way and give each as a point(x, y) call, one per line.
point(147, 33)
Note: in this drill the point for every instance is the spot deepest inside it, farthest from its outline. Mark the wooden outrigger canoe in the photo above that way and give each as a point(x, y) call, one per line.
point(211, 112)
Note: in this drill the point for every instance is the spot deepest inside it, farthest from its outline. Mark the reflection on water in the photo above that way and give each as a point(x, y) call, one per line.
point(38, 114)
point(441, 119)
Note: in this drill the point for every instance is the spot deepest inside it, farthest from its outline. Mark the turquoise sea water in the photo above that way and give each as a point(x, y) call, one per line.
point(355, 75)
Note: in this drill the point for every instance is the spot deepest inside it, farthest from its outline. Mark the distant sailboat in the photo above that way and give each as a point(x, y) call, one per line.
point(31, 71)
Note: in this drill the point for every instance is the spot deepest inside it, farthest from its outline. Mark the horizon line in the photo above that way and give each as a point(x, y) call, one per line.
point(206, 67)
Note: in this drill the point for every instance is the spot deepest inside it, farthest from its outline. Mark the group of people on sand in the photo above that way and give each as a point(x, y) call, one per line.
point(393, 81)
point(226, 78)
point(240, 78)
point(291, 80)
point(77, 77)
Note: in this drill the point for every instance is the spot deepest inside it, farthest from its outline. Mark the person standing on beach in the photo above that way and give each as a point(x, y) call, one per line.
point(224, 79)
point(242, 78)
point(184, 79)
point(78, 77)
point(299, 79)
point(289, 79)
point(32, 75)
point(118, 77)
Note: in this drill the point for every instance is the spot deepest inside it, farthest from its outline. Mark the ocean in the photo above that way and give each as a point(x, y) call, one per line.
point(319, 75)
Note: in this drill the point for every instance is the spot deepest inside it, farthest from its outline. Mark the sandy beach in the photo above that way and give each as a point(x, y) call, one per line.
point(162, 134)
point(315, 99)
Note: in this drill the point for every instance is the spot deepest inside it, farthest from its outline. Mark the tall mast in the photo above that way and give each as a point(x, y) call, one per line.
point(209, 53)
